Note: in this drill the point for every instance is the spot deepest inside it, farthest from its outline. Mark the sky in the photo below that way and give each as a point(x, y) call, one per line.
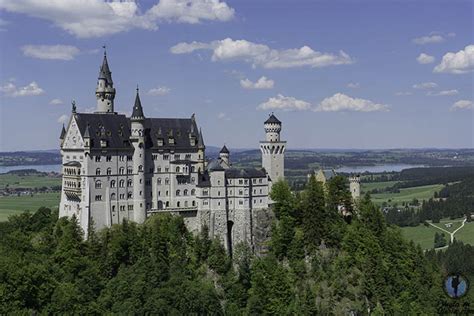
point(338, 74)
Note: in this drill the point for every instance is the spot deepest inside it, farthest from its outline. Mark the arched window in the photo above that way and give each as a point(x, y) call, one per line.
point(98, 184)
point(97, 172)
point(167, 204)
point(112, 184)
point(112, 196)
point(193, 192)
point(121, 183)
point(193, 169)
point(129, 195)
point(140, 168)
point(121, 170)
point(159, 180)
point(178, 192)
point(177, 169)
point(194, 203)
point(129, 182)
point(167, 181)
point(185, 192)
point(185, 203)
point(177, 204)
point(109, 171)
point(167, 193)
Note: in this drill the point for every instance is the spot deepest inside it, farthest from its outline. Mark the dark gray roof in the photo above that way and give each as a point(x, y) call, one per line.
point(72, 164)
point(176, 128)
point(245, 173)
point(329, 173)
point(105, 72)
point(200, 140)
point(137, 113)
point(113, 128)
point(204, 180)
point(272, 119)
point(224, 150)
point(215, 165)
point(63, 133)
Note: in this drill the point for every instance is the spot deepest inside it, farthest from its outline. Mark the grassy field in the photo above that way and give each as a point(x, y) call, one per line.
point(466, 234)
point(422, 235)
point(455, 224)
point(29, 181)
point(11, 205)
point(407, 194)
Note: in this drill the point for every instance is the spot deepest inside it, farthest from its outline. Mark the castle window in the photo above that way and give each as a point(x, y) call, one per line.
point(121, 170)
point(129, 182)
point(121, 183)
point(185, 192)
point(159, 193)
point(122, 158)
point(167, 204)
point(159, 180)
point(129, 170)
point(188, 156)
point(112, 196)
point(176, 157)
point(260, 191)
point(241, 202)
point(97, 172)
point(241, 192)
point(193, 192)
point(140, 168)
point(158, 169)
point(98, 197)
point(155, 157)
point(167, 169)
point(97, 158)
point(167, 181)
point(129, 158)
point(129, 195)
point(193, 169)
point(178, 192)
point(241, 181)
point(167, 193)
point(194, 203)
point(113, 209)
point(185, 203)
point(130, 207)
point(177, 169)
point(140, 193)
point(122, 196)
point(108, 158)
point(254, 181)
point(178, 204)
point(112, 184)
point(193, 179)
point(109, 171)
point(218, 193)
point(166, 157)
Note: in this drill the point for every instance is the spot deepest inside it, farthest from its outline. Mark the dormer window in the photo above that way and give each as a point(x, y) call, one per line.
point(103, 143)
point(160, 141)
point(171, 141)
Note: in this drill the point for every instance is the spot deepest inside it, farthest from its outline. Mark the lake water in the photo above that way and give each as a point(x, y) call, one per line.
point(41, 168)
point(355, 169)
point(377, 168)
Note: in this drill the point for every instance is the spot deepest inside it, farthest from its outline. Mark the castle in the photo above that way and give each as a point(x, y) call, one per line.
point(117, 167)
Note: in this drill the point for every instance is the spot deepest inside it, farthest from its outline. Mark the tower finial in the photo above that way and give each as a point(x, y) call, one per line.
point(137, 88)
point(105, 50)
point(73, 106)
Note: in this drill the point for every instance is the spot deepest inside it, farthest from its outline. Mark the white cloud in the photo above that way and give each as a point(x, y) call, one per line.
point(63, 119)
point(262, 83)
point(353, 85)
point(457, 63)
point(425, 59)
point(159, 91)
point(403, 93)
point(443, 92)
point(56, 102)
point(463, 105)
point(342, 102)
point(96, 18)
point(425, 85)
point(280, 102)
point(61, 52)
point(429, 39)
point(264, 56)
point(223, 116)
point(11, 90)
point(186, 11)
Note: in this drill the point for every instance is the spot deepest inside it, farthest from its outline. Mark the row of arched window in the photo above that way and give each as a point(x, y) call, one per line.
point(185, 192)
point(113, 183)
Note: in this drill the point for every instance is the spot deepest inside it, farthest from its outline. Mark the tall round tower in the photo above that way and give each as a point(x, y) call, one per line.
point(354, 186)
point(137, 139)
point(273, 149)
point(105, 91)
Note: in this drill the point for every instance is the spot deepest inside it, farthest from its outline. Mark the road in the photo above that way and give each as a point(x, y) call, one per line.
point(449, 233)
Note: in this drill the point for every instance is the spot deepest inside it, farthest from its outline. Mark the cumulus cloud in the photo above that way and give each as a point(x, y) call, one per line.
point(429, 39)
point(425, 59)
point(56, 102)
point(353, 85)
point(262, 83)
point(280, 102)
point(11, 90)
point(96, 18)
point(63, 119)
point(457, 63)
point(463, 105)
point(425, 85)
point(61, 52)
point(264, 56)
point(342, 102)
point(443, 92)
point(159, 91)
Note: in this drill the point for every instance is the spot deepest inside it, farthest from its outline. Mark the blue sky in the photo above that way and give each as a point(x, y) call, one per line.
point(339, 74)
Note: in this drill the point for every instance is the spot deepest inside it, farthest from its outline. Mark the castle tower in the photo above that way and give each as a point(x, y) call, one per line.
point(105, 91)
point(273, 149)
point(137, 138)
point(354, 186)
point(201, 153)
point(224, 155)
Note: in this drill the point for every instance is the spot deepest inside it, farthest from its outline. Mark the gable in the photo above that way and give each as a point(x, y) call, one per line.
point(73, 138)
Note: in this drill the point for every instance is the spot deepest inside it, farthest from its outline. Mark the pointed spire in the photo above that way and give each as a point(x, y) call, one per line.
point(105, 72)
point(63, 133)
point(87, 133)
point(137, 113)
point(224, 150)
point(200, 140)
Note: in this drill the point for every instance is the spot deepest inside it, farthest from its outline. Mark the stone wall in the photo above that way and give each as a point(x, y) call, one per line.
point(262, 220)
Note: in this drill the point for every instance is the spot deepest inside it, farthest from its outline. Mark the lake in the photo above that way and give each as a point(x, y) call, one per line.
point(354, 169)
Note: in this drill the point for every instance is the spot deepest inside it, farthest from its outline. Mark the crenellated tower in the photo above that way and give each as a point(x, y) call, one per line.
point(273, 149)
point(354, 186)
point(137, 139)
point(105, 91)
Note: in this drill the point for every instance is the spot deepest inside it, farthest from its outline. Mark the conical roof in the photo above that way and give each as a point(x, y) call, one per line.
point(272, 119)
point(200, 140)
point(63, 133)
point(105, 72)
point(137, 112)
point(224, 150)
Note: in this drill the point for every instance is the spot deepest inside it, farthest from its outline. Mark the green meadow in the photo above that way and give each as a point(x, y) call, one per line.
point(407, 194)
point(11, 205)
point(29, 181)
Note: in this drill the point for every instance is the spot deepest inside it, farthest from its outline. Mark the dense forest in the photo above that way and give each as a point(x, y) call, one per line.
point(319, 263)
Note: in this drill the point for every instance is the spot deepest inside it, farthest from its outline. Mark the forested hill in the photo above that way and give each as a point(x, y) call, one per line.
point(318, 263)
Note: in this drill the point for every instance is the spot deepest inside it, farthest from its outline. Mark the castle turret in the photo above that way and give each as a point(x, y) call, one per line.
point(105, 91)
point(63, 135)
point(201, 152)
point(137, 139)
point(224, 155)
point(273, 149)
point(354, 186)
